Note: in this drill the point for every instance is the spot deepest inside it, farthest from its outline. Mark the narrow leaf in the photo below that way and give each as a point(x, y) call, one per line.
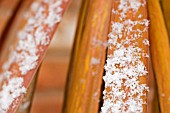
point(160, 53)
point(23, 56)
point(86, 67)
point(127, 64)
point(166, 12)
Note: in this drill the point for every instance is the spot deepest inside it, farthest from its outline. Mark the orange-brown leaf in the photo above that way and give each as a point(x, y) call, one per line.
point(88, 58)
point(160, 53)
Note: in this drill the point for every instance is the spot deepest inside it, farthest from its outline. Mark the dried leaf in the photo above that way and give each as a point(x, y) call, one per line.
point(160, 53)
point(22, 58)
point(127, 64)
point(166, 12)
point(7, 12)
point(88, 57)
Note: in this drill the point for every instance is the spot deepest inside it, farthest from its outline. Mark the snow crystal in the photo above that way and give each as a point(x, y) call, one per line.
point(95, 61)
point(10, 92)
point(123, 93)
point(33, 36)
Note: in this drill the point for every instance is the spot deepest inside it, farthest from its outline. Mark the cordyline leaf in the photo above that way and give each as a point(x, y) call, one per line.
point(153, 104)
point(88, 57)
point(25, 106)
point(160, 53)
point(21, 58)
point(10, 32)
point(127, 64)
point(14, 27)
point(166, 13)
point(7, 11)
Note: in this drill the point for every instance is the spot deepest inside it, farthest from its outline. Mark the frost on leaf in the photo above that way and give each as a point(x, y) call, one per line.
point(123, 93)
point(10, 92)
point(24, 56)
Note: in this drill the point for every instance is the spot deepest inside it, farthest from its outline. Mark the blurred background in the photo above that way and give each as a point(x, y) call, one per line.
point(49, 92)
point(50, 87)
